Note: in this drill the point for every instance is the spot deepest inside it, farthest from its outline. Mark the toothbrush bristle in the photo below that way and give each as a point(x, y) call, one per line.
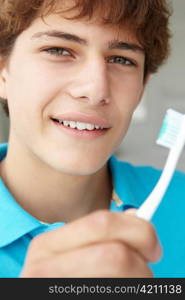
point(170, 128)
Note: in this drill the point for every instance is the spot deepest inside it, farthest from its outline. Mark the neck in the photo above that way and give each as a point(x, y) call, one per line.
point(50, 195)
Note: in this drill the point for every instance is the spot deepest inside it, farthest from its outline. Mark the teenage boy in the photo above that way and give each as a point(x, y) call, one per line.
point(72, 74)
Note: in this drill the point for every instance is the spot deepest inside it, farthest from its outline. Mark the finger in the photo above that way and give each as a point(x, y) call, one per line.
point(102, 226)
point(158, 250)
point(100, 260)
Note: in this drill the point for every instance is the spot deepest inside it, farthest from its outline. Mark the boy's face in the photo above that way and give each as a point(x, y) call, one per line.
point(72, 71)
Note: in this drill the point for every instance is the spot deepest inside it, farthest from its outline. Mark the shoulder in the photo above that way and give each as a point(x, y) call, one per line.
point(144, 173)
point(142, 179)
point(139, 171)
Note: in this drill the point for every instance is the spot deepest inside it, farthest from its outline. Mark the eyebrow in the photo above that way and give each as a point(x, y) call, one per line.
point(114, 44)
point(62, 35)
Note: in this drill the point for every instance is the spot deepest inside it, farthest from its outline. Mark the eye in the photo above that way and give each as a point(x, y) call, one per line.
point(58, 51)
point(121, 60)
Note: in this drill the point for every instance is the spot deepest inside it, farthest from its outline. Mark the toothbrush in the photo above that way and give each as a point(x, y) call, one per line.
point(172, 136)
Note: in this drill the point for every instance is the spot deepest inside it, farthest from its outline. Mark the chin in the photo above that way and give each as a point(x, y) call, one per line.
point(74, 162)
point(83, 170)
point(79, 167)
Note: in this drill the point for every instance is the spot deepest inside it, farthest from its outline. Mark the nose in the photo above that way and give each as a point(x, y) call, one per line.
point(91, 82)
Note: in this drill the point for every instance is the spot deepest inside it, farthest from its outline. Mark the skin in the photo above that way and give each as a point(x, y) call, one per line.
point(113, 94)
point(39, 84)
point(100, 247)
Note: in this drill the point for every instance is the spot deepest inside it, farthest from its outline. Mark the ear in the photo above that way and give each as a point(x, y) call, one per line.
point(3, 73)
point(145, 81)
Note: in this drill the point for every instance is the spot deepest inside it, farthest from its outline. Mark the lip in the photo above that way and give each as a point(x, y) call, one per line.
point(84, 118)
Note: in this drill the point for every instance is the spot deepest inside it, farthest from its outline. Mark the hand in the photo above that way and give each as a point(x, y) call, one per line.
point(101, 244)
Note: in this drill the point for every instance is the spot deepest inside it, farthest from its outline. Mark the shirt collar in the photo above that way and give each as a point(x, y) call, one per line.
point(122, 177)
point(16, 222)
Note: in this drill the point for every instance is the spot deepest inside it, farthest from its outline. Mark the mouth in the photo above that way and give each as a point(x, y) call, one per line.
point(81, 125)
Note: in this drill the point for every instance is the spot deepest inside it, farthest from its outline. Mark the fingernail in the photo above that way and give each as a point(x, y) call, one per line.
point(130, 211)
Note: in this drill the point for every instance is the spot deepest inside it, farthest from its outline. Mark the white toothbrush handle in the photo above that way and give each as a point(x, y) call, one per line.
point(148, 208)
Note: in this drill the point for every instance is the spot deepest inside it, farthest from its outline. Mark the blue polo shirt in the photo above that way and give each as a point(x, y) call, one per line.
point(132, 185)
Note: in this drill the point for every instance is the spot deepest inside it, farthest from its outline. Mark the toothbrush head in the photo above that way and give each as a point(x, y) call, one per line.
point(170, 128)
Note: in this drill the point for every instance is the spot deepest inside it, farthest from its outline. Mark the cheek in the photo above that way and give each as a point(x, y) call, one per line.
point(30, 88)
point(126, 99)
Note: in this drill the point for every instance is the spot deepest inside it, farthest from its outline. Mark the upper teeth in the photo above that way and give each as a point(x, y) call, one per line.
point(80, 125)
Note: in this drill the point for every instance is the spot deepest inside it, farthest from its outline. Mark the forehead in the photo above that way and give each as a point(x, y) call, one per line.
point(93, 15)
point(88, 30)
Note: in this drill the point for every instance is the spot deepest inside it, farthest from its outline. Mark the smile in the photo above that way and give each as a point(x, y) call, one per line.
point(80, 130)
point(79, 125)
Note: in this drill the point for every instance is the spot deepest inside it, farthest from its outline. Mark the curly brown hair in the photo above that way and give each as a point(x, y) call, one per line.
point(148, 19)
